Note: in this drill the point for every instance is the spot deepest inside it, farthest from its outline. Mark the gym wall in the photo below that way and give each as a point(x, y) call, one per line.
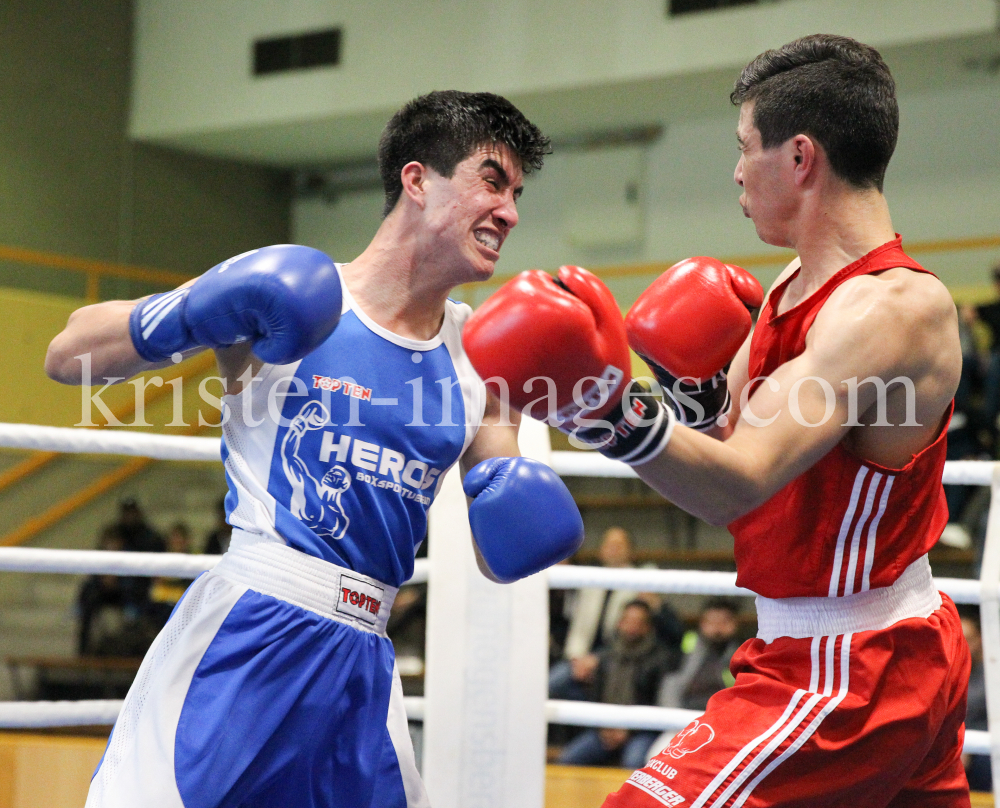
point(73, 181)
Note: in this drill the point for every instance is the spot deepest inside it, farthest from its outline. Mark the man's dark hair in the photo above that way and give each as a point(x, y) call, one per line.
point(969, 611)
point(441, 129)
point(639, 604)
point(834, 89)
point(730, 605)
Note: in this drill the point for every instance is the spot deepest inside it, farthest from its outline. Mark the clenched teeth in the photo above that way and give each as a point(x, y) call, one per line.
point(488, 239)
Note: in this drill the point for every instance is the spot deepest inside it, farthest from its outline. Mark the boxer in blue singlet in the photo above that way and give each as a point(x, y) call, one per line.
point(349, 397)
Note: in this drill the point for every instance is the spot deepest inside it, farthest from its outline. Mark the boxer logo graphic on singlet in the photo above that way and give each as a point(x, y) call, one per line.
point(315, 502)
point(690, 740)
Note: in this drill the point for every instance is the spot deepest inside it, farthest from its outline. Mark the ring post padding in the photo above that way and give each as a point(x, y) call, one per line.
point(487, 658)
point(989, 612)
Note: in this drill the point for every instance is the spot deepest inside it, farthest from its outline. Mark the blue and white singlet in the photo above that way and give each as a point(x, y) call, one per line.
point(339, 455)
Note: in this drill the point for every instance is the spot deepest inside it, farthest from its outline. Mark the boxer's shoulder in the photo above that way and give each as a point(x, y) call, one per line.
point(897, 305)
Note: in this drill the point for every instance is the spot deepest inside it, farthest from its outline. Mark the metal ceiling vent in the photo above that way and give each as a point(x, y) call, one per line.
point(677, 7)
point(299, 52)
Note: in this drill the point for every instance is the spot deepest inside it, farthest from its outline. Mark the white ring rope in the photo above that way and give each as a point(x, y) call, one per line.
point(26, 714)
point(577, 464)
point(179, 565)
point(683, 582)
point(175, 447)
point(109, 562)
point(592, 464)
point(105, 562)
point(699, 582)
point(23, 714)
point(109, 441)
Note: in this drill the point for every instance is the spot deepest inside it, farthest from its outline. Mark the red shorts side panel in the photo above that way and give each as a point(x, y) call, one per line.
point(869, 719)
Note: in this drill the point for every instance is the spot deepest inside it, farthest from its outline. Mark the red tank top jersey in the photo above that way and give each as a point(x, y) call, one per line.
point(845, 525)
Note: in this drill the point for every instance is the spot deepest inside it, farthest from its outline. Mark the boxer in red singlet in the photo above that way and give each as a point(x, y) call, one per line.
point(853, 692)
point(822, 451)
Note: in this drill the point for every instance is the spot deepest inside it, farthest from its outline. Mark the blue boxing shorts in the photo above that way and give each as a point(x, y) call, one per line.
point(272, 684)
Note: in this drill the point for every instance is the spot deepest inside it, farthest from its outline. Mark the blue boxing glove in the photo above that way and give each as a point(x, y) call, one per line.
point(285, 300)
point(522, 515)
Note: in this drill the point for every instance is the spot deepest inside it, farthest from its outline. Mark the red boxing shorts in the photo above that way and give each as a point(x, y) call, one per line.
point(864, 719)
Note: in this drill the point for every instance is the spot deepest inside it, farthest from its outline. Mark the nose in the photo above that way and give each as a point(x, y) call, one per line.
point(506, 214)
point(738, 173)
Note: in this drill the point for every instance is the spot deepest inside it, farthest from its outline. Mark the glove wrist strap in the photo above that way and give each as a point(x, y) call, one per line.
point(697, 403)
point(157, 326)
point(635, 431)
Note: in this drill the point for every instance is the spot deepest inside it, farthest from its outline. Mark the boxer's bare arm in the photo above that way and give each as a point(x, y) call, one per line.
point(102, 330)
point(897, 324)
point(739, 368)
point(736, 379)
point(497, 437)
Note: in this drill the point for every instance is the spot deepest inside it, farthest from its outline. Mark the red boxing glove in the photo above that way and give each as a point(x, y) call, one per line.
point(688, 325)
point(559, 349)
point(694, 317)
point(558, 344)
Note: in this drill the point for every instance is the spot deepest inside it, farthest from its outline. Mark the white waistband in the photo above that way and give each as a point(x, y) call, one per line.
point(283, 572)
point(912, 595)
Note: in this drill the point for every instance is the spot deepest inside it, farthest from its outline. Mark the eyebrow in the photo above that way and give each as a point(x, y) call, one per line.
point(489, 162)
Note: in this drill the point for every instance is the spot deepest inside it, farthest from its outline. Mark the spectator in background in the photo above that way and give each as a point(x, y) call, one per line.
point(407, 625)
point(593, 615)
point(989, 315)
point(107, 602)
point(669, 626)
point(165, 592)
point(136, 532)
point(704, 669)
point(217, 542)
point(972, 431)
point(964, 441)
point(977, 767)
point(559, 614)
point(627, 672)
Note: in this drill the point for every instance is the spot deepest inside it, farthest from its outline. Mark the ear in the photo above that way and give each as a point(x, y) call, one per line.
point(414, 178)
point(804, 152)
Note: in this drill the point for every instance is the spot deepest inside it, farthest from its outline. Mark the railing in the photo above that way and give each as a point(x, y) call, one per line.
point(40, 458)
point(94, 271)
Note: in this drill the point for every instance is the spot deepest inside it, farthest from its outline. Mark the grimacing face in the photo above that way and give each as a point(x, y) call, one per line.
point(474, 210)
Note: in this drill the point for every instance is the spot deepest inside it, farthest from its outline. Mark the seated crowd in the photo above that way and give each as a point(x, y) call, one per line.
point(119, 616)
point(624, 647)
point(609, 646)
